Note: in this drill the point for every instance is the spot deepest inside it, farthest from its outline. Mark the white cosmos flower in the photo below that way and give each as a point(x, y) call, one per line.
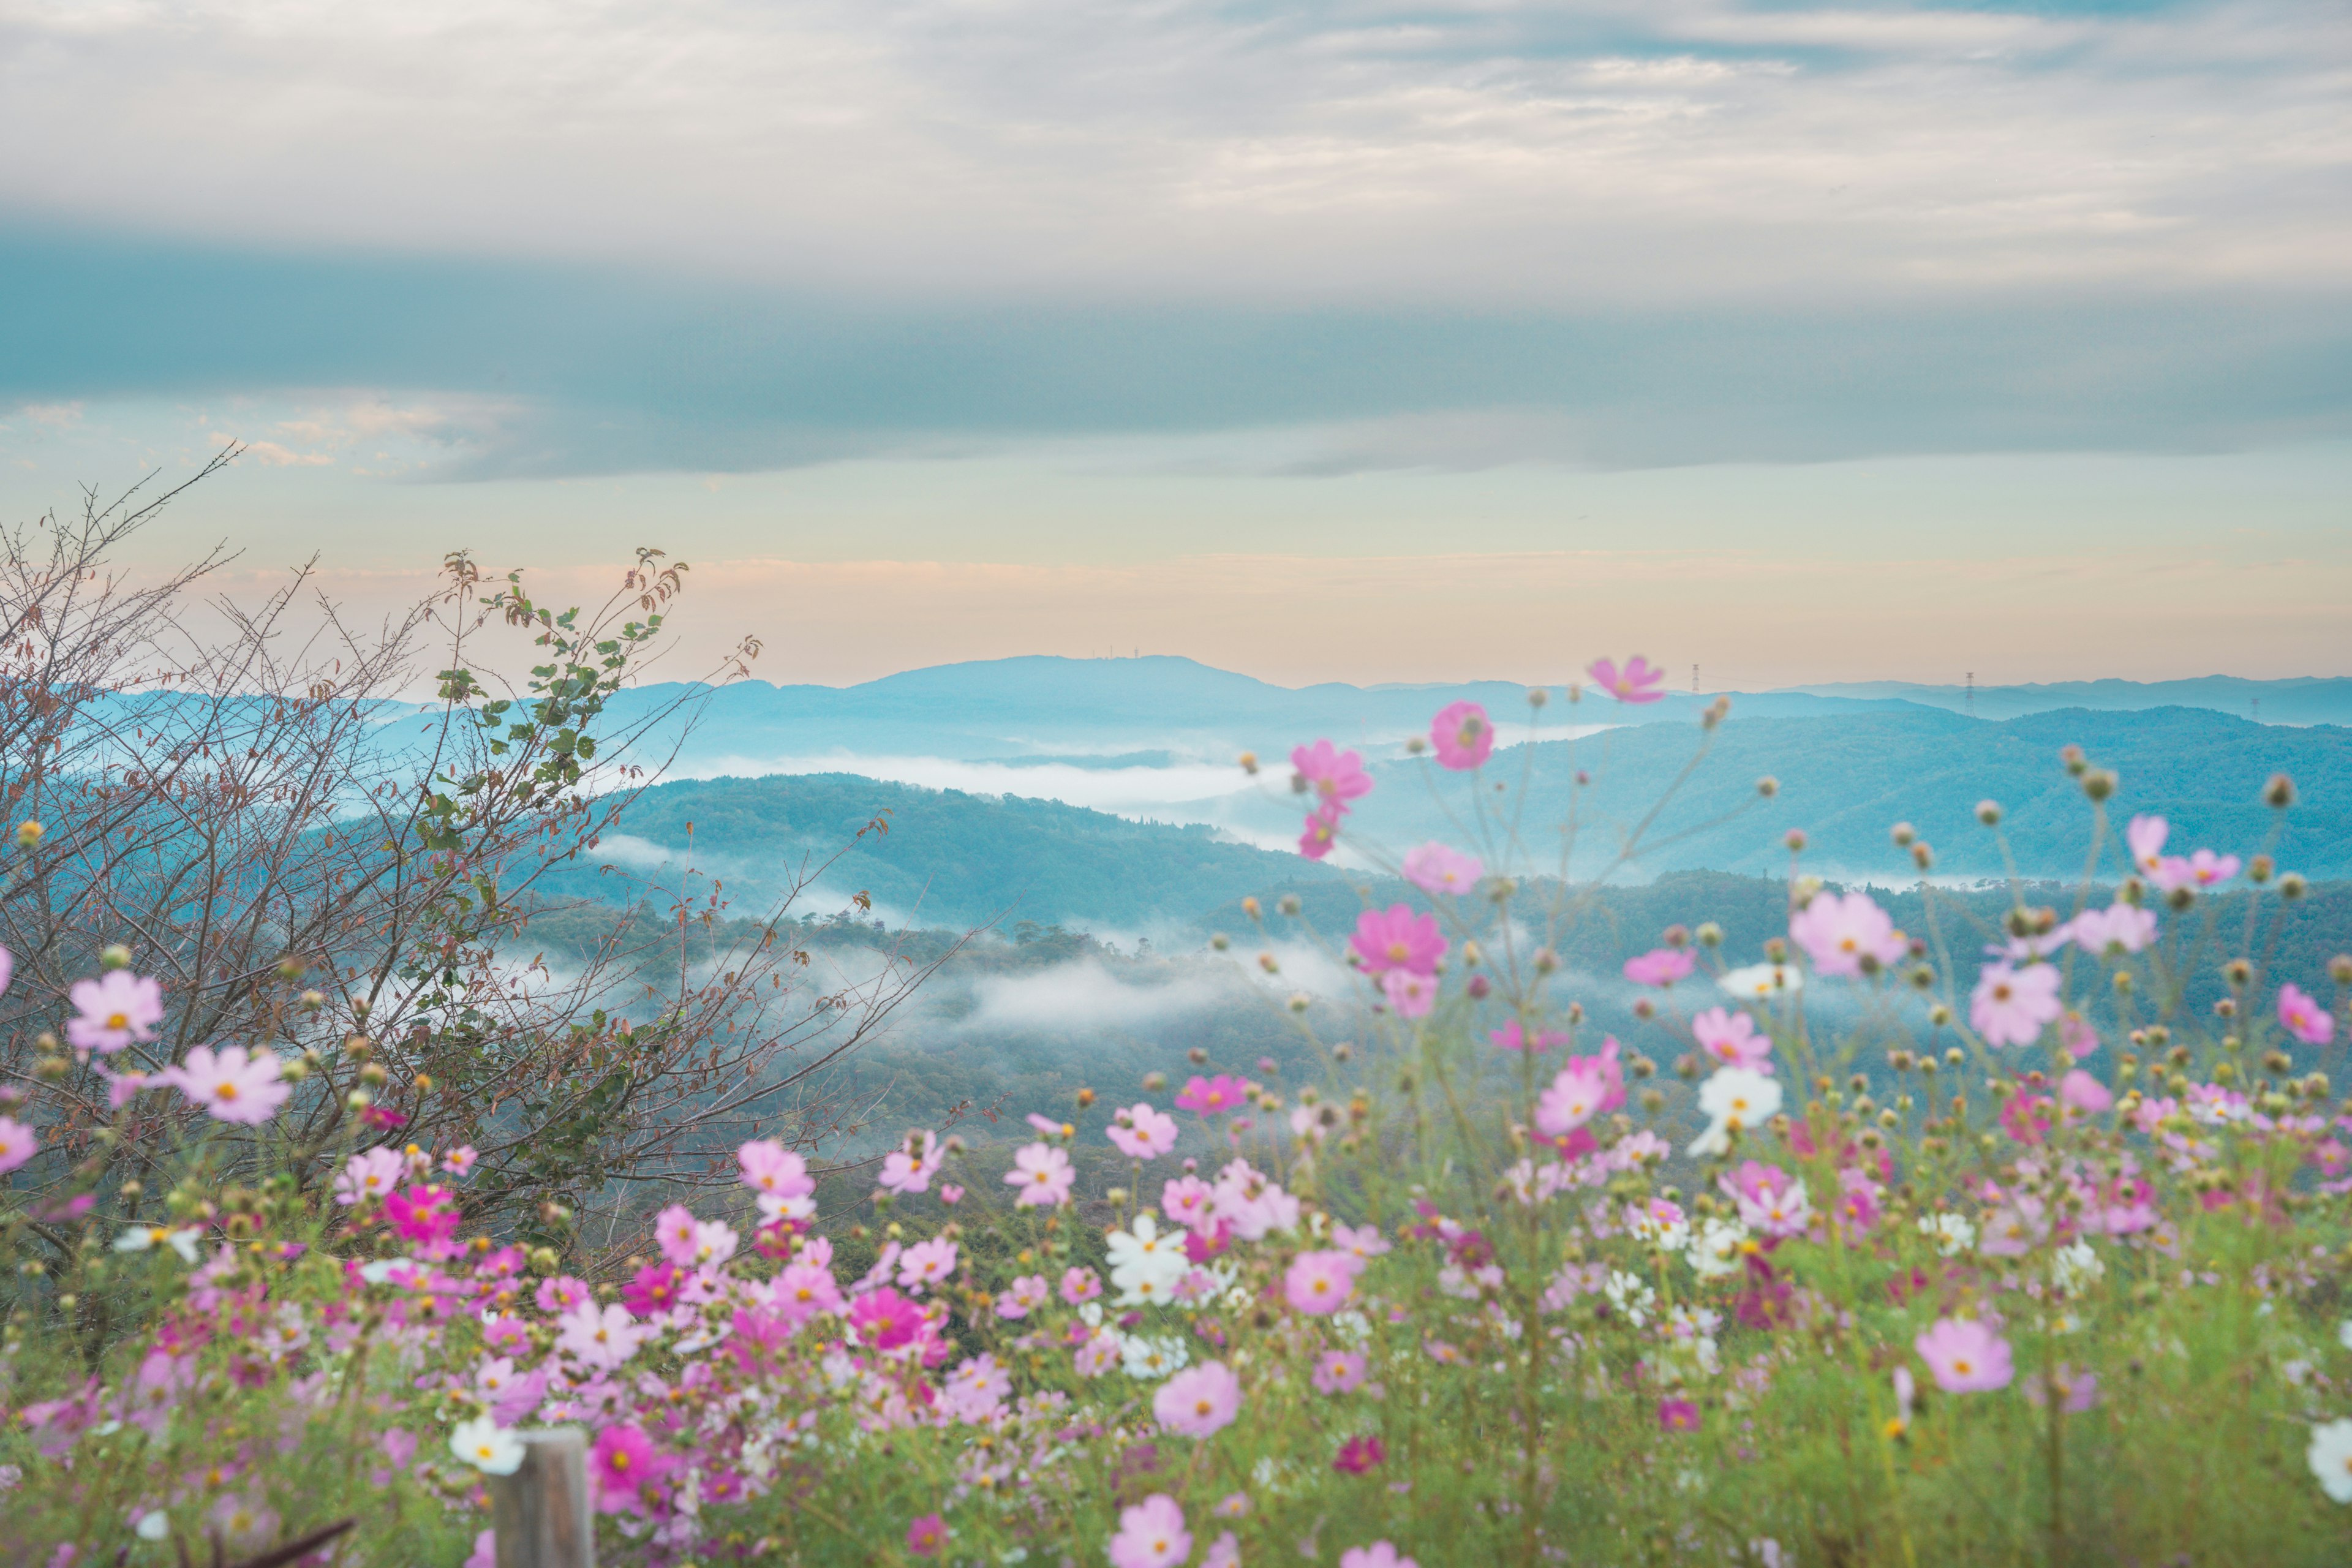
point(487, 1446)
point(1954, 1234)
point(1145, 1262)
point(1715, 1251)
point(2074, 1267)
point(1763, 980)
point(182, 1240)
point(1733, 1097)
point(1152, 1356)
point(2331, 1458)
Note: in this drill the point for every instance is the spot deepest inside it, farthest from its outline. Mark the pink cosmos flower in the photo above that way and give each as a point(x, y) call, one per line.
point(927, 1535)
point(603, 1337)
point(623, 1460)
point(2011, 1006)
point(911, 1167)
point(1188, 1201)
point(2146, 836)
point(1339, 1371)
point(2079, 1091)
point(2076, 1392)
point(2025, 1117)
point(1964, 1356)
point(1637, 682)
point(1358, 1454)
point(1409, 995)
point(1080, 1285)
point(1769, 1199)
point(2303, 1019)
point(804, 1289)
point(1462, 734)
point(1379, 1554)
point(1579, 1094)
point(1677, 1416)
point(424, 1213)
point(1839, 930)
point(1320, 1283)
point(232, 1084)
point(927, 1263)
point(976, 1389)
point(1333, 776)
point(676, 1231)
point(1151, 1534)
point(2202, 869)
point(1396, 938)
point(123, 1088)
point(1225, 1551)
point(1435, 868)
point(560, 1294)
point(1043, 1174)
point(1140, 1132)
point(2077, 1036)
point(885, 1320)
point(459, 1162)
point(1731, 1039)
point(371, 1174)
point(115, 1010)
point(1364, 1242)
point(2119, 928)
point(949, 1193)
point(1320, 831)
point(1099, 1354)
point(774, 1171)
point(1023, 1297)
point(18, 1144)
point(1198, 1402)
point(1215, 1096)
point(1659, 966)
point(1511, 1038)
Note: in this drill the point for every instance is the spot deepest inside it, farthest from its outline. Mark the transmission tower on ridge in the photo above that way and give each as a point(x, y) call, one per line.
point(1972, 694)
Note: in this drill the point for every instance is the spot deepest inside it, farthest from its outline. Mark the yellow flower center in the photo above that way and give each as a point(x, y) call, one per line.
point(118, 1020)
point(224, 1091)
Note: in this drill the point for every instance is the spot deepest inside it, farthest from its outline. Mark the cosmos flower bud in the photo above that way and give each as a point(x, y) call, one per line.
point(1416, 745)
point(2260, 869)
point(2073, 757)
point(1768, 786)
point(1249, 762)
point(1289, 904)
point(2292, 885)
point(1709, 934)
point(1220, 940)
point(1538, 697)
point(2099, 784)
point(1902, 833)
point(1547, 961)
point(2279, 792)
point(1795, 839)
point(1989, 812)
point(116, 956)
point(28, 834)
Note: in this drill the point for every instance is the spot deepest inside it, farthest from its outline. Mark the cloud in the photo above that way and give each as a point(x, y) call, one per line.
point(1083, 994)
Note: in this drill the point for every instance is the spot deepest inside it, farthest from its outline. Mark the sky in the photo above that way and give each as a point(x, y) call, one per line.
point(1332, 340)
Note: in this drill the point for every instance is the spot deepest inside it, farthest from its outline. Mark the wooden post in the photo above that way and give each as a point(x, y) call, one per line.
point(541, 1513)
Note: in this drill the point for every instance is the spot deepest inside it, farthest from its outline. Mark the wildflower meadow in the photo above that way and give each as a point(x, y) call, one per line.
point(1964, 1245)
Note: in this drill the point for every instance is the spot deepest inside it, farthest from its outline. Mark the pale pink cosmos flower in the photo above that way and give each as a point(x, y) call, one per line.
point(1364, 1240)
point(1080, 1285)
point(1339, 1371)
point(1043, 1174)
point(2076, 1035)
point(1637, 682)
point(232, 1084)
point(1462, 734)
point(123, 1088)
point(802, 1291)
point(1409, 995)
point(976, 1389)
point(676, 1232)
point(1379, 1554)
point(714, 1243)
point(774, 1171)
point(2081, 1093)
point(2202, 869)
point(1435, 868)
point(2146, 834)
point(2011, 1006)
point(1964, 1356)
point(601, 1337)
point(1189, 1200)
point(459, 1162)
point(1771, 1200)
point(18, 1144)
point(1099, 1353)
point(1320, 1283)
point(1225, 1551)
point(911, 1167)
point(1321, 832)
point(2303, 1019)
point(1151, 1534)
point(1023, 1297)
point(1579, 1094)
point(1730, 1037)
point(1140, 1132)
point(115, 1010)
point(1839, 930)
point(1396, 938)
point(1333, 776)
point(1198, 1402)
point(371, 1174)
point(1659, 966)
point(2120, 928)
point(927, 1263)
point(1512, 1037)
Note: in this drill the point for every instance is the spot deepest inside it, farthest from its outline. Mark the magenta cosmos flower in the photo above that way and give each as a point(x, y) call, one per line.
point(623, 1460)
point(1677, 1416)
point(1396, 938)
point(1321, 832)
point(1637, 682)
point(1140, 1132)
point(2303, 1019)
point(1839, 930)
point(1043, 1175)
point(927, 1535)
point(1198, 1402)
point(1966, 1356)
point(1435, 868)
point(1462, 734)
point(1320, 1283)
point(2011, 1007)
point(18, 1144)
point(1334, 777)
point(1731, 1039)
point(1151, 1534)
point(1358, 1454)
point(232, 1085)
point(1215, 1096)
point(1659, 966)
point(116, 1009)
